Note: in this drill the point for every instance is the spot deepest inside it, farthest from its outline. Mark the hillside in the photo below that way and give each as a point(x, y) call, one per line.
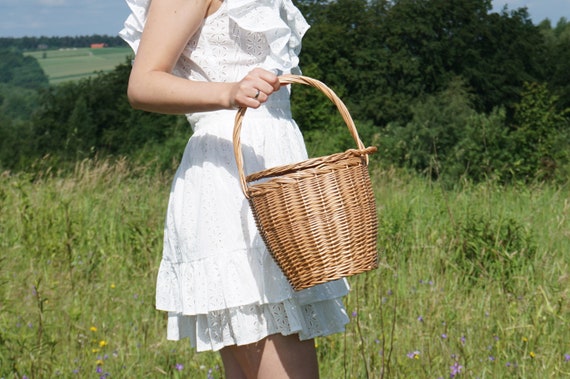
point(76, 63)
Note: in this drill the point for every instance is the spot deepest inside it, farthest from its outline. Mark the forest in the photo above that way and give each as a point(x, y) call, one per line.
point(446, 89)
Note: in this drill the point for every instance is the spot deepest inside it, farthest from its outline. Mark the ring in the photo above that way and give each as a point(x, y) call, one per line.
point(257, 94)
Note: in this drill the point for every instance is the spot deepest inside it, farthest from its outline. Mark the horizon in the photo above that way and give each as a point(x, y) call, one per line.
point(64, 18)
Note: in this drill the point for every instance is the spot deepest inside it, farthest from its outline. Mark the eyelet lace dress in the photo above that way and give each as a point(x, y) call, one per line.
point(217, 280)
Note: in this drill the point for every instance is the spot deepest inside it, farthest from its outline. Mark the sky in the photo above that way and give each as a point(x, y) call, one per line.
point(61, 18)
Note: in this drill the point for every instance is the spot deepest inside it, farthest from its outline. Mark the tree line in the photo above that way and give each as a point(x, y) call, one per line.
point(446, 88)
point(55, 42)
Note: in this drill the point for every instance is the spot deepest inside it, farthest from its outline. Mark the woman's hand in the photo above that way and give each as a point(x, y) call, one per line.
point(254, 89)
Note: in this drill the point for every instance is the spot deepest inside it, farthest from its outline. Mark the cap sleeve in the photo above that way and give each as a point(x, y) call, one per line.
point(134, 24)
point(282, 24)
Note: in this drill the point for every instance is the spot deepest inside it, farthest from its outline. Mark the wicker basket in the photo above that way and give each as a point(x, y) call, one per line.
point(317, 217)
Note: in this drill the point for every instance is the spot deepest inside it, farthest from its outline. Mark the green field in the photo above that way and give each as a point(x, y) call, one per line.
point(473, 283)
point(72, 64)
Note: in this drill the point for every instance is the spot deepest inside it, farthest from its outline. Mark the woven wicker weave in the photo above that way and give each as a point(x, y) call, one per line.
point(317, 217)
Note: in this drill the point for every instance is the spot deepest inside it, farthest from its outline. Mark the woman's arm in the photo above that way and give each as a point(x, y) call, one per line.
point(152, 87)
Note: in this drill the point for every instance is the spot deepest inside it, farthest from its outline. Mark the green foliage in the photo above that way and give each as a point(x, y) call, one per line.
point(448, 89)
point(542, 134)
point(92, 117)
point(493, 250)
point(80, 253)
point(21, 71)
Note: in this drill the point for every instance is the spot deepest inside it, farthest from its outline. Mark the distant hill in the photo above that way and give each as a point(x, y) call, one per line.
point(67, 64)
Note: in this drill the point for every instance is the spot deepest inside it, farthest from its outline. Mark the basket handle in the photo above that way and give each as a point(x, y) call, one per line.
point(289, 79)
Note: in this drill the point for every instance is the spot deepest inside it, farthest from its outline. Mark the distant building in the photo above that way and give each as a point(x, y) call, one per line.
point(42, 46)
point(98, 45)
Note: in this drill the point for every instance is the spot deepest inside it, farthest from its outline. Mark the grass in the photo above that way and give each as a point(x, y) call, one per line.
point(75, 64)
point(473, 283)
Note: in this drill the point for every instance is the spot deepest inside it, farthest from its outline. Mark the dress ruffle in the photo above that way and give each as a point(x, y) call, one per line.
point(280, 21)
point(134, 24)
point(218, 329)
point(285, 32)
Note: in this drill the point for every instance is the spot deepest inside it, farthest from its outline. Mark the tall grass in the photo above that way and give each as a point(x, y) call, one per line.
point(473, 283)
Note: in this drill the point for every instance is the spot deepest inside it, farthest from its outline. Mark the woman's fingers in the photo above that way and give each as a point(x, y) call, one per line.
point(255, 88)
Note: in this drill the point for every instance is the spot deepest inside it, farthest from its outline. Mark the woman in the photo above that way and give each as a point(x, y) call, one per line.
point(217, 281)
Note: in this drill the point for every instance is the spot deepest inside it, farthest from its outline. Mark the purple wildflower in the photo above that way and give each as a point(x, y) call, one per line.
point(420, 318)
point(413, 355)
point(455, 369)
point(566, 357)
point(444, 336)
point(463, 339)
point(179, 367)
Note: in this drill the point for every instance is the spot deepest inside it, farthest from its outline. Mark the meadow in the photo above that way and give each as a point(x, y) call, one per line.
point(78, 63)
point(473, 282)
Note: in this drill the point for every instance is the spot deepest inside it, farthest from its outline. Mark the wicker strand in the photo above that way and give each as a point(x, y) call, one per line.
point(317, 217)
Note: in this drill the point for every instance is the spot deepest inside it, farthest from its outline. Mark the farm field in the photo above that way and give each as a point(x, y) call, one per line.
point(74, 64)
point(473, 283)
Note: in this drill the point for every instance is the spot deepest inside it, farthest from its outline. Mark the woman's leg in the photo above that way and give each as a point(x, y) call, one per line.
point(275, 357)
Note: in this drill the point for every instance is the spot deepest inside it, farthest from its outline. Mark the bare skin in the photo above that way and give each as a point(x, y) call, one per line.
point(275, 357)
point(152, 87)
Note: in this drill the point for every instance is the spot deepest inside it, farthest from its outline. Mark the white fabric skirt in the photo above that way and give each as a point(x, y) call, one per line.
point(217, 280)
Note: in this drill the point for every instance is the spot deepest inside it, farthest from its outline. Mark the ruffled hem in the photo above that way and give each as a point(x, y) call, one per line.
point(251, 323)
point(235, 279)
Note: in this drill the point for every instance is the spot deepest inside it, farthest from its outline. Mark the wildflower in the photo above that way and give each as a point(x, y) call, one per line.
point(112, 285)
point(463, 339)
point(94, 351)
point(99, 370)
point(179, 367)
point(444, 336)
point(420, 318)
point(524, 339)
point(99, 362)
point(491, 358)
point(532, 354)
point(354, 313)
point(455, 369)
point(102, 343)
point(566, 357)
point(93, 329)
point(414, 355)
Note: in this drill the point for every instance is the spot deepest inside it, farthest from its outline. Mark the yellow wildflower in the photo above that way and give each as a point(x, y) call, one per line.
point(102, 343)
point(532, 354)
point(93, 328)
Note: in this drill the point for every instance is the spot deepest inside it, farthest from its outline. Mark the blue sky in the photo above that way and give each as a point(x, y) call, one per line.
point(85, 17)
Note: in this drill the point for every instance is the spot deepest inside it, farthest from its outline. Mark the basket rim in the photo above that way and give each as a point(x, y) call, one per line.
point(310, 163)
point(341, 107)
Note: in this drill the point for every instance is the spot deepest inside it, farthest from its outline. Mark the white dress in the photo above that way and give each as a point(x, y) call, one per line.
point(217, 281)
